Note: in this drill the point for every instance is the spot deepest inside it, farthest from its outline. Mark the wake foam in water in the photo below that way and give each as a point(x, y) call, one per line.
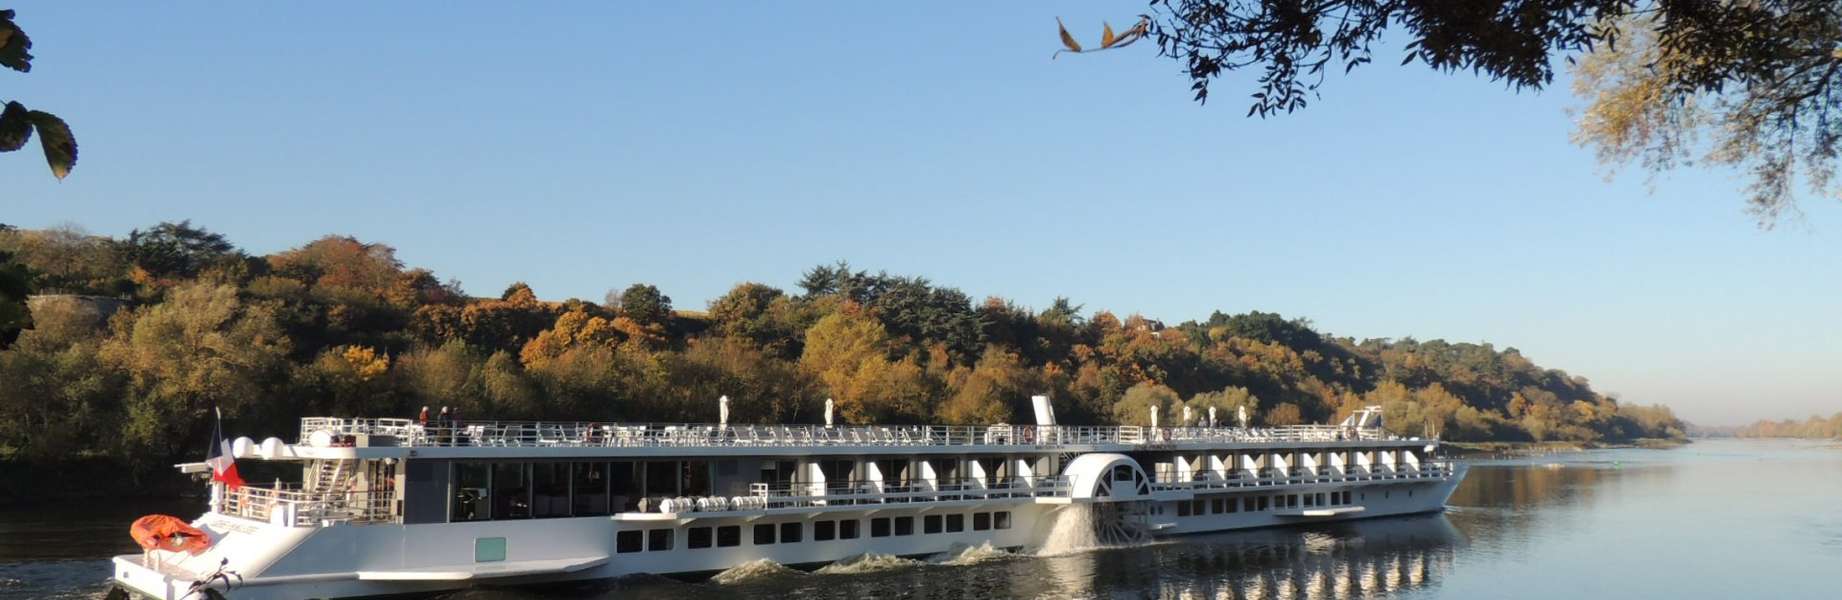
point(971, 555)
point(752, 570)
point(868, 563)
point(1072, 532)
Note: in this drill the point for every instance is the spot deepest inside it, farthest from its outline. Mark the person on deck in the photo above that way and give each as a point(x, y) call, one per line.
point(442, 426)
point(423, 418)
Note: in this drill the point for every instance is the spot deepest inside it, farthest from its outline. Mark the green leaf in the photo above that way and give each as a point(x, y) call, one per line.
point(60, 145)
point(15, 127)
point(14, 45)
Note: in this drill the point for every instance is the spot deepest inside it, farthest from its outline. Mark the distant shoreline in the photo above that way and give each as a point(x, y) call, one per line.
point(1513, 449)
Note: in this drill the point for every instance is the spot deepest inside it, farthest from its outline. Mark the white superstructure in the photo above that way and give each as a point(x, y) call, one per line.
point(388, 506)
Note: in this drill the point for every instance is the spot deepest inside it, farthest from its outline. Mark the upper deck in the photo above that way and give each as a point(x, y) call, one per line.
point(695, 438)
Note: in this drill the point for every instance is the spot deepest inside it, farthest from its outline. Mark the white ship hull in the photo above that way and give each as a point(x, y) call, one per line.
point(278, 552)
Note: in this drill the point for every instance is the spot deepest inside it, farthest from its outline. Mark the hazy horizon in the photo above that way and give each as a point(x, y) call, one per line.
point(583, 148)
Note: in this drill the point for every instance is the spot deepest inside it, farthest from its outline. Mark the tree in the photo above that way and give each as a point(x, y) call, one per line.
point(646, 305)
point(17, 122)
point(15, 285)
point(203, 348)
point(1135, 408)
point(175, 250)
point(1759, 77)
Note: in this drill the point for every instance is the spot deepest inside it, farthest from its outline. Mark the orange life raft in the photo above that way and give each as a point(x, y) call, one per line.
point(161, 532)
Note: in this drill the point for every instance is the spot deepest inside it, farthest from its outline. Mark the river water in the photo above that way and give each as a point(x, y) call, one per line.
point(1715, 519)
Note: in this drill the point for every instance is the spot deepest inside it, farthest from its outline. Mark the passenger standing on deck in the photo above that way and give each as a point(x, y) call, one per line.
point(442, 424)
point(423, 418)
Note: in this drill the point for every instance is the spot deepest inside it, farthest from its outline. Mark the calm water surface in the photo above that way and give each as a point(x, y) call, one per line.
point(1716, 519)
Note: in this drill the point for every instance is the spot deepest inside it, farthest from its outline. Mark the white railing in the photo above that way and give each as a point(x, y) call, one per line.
point(850, 493)
point(524, 434)
point(1239, 479)
point(300, 508)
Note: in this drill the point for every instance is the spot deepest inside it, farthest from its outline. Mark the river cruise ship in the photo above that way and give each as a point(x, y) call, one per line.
point(393, 506)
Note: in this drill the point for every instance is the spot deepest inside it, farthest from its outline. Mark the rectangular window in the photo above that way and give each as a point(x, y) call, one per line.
point(791, 533)
point(764, 534)
point(879, 527)
point(930, 524)
point(847, 530)
point(1196, 507)
point(1001, 519)
point(1310, 499)
point(472, 481)
point(511, 491)
point(1248, 505)
point(550, 489)
point(698, 537)
point(956, 523)
point(728, 536)
point(626, 487)
point(662, 477)
point(824, 531)
point(589, 489)
point(1292, 501)
point(1320, 499)
point(628, 541)
point(1183, 509)
point(1262, 505)
point(904, 525)
point(1232, 505)
point(981, 521)
point(1215, 506)
point(658, 539)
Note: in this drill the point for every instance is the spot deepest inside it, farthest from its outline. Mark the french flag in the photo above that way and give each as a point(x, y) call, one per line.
point(223, 463)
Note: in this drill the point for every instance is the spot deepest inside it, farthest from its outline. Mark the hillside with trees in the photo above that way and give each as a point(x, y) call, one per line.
point(130, 343)
point(1815, 427)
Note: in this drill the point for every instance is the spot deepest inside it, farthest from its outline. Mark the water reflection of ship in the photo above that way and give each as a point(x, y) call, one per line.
point(1357, 559)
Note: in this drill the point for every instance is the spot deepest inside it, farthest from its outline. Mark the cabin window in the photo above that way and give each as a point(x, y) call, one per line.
point(662, 478)
point(1183, 509)
point(1001, 519)
point(790, 533)
point(1292, 501)
point(628, 541)
point(1196, 507)
point(1320, 499)
point(904, 525)
point(981, 521)
point(879, 527)
point(728, 536)
point(511, 491)
point(658, 539)
point(764, 534)
point(471, 491)
point(1232, 505)
point(588, 489)
point(550, 489)
point(1216, 506)
point(847, 530)
point(695, 479)
point(930, 524)
point(1310, 499)
point(1248, 504)
point(626, 486)
point(698, 537)
point(1263, 503)
point(956, 523)
point(824, 531)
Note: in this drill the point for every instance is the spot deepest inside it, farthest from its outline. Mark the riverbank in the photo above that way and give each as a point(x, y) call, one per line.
point(1520, 449)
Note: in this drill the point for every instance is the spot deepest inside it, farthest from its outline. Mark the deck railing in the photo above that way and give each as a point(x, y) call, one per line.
point(1214, 480)
point(524, 434)
point(290, 505)
point(850, 493)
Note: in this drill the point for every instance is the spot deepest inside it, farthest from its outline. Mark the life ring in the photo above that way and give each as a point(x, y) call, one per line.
point(162, 532)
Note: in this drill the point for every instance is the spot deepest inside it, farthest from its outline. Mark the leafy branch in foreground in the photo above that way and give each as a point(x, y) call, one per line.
point(1757, 79)
point(17, 122)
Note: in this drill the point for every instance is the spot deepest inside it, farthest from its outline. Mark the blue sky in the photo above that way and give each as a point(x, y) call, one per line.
point(589, 145)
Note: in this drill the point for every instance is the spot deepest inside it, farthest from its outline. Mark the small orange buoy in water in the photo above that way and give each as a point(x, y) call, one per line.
point(162, 532)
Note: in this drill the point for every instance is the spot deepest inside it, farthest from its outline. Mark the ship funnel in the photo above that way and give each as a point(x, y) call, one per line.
point(1045, 412)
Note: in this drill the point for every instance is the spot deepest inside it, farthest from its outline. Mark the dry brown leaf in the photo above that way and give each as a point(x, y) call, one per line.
point(1106, 36)
point(1067, 40)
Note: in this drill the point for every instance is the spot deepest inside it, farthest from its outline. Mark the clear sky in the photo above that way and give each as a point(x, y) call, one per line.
point(589, 145)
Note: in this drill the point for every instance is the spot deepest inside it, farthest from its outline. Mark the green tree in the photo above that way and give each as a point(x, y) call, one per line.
point(646, 305)
point(1136, 406)
point(17, 122)
point(202, 348)
point(15, 285)
point(175, 250)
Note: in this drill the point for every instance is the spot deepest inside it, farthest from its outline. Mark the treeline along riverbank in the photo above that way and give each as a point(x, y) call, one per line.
point(127, 344)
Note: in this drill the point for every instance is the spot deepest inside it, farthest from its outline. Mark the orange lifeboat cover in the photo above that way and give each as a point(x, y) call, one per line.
point(162, 532)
